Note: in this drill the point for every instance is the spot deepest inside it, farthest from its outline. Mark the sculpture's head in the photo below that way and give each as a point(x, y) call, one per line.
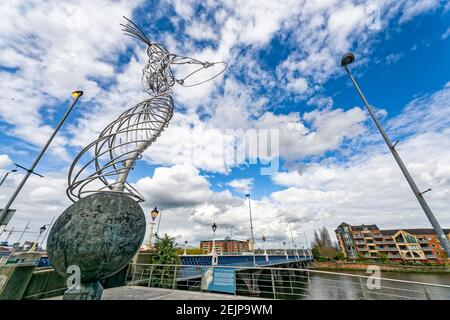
point(158, 75)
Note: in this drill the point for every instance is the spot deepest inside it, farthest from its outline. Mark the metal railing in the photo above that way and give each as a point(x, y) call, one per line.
point(288, 283)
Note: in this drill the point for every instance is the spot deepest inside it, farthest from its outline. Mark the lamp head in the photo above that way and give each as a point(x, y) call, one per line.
point(263, 239)
point(154, 214)
point(347, 59)
point(77, 93)
point(214, 227)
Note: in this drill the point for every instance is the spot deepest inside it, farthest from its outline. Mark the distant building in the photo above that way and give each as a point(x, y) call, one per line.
point(226, 246)
point(396, 245)
point(4, 251)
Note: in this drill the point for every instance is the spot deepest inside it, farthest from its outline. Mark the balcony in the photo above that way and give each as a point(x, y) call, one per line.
point(394, 256)
point(430, 256)
point(425, 241)
point(427, 248)
point(387, 249)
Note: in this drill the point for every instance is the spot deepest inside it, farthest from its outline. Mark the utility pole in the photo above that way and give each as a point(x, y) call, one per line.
point(348, 59)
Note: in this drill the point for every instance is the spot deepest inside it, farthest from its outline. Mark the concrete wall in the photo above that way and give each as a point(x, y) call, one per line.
point(44, 283)
point(14, 280)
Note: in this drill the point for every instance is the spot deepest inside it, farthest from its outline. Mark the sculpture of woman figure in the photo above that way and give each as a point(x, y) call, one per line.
point(105, 164)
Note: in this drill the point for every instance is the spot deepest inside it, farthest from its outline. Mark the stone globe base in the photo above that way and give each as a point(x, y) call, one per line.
point(96, 236)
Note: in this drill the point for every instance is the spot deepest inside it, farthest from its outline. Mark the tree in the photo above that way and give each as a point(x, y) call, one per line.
point(166, 254)
point(166, 251)
point(323, 246)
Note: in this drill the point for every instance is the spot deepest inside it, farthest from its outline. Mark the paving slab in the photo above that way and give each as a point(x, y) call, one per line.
point(145, 293)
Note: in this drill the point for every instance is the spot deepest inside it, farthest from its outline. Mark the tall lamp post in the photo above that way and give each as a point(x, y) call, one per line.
point(6, 175)
point(35, 246)
point(185, 248)
point(154, 213)
point(159, 221)
point(307, 245)
point(292, 238)
point(6, 214)
point(214, 228)
point(285, 251)
point(349, 58)
point(251, 228)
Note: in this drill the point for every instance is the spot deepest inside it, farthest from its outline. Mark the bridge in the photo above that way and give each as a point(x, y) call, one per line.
point(243, 260)
point(192, 266)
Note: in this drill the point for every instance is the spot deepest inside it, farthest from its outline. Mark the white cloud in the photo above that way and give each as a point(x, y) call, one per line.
point(370, 188)
point(4, 161)
point(242, 185)
point(55, 48)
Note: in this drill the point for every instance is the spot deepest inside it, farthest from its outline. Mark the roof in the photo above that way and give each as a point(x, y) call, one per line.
point(225, 240)
point(368, 226)
point(420, 231)
point(358, 227)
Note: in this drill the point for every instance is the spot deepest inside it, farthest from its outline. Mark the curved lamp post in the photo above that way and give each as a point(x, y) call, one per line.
point(6, 175)
point(349, 58)
point(5, 215)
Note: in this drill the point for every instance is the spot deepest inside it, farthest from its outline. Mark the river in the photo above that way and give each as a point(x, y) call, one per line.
point(325, 287)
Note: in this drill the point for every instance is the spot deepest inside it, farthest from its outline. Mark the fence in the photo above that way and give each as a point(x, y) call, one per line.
point(288, 283)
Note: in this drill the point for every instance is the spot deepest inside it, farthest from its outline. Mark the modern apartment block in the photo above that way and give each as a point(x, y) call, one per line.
point(226, 246)
point(396, 245)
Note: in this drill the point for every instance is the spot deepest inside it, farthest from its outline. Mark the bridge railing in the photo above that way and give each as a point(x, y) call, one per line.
point(286, 283)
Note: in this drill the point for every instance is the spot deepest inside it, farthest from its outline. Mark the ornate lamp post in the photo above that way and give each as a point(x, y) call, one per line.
point(6, 175)
point(214, 228)
point(349, 58)
point(185, 248)
point(154, 215)
point(264, 248)
point(263, 244)
point(285, 251)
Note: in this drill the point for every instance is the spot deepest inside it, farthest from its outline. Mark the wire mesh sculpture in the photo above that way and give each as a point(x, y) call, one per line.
point(105, 164)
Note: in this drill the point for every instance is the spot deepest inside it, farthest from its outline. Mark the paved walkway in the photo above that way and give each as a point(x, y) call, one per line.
point(145, 293)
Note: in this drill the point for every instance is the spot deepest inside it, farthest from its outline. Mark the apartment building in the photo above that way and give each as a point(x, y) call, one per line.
point(226, 246)
point(397, 244)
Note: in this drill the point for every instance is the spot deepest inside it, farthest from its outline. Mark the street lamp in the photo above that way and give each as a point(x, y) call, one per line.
point(349, 58)
point(6, 175)
point(251, 228)
point(6, 214)
point(214, 228)
point(185, 248)
point(263, 244)
point(154, 213)
point(285, 251)
point(293, 243)
point(159, 221)
point(36, 243)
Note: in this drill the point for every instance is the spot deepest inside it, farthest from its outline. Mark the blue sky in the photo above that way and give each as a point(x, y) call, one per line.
point(283, 75)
